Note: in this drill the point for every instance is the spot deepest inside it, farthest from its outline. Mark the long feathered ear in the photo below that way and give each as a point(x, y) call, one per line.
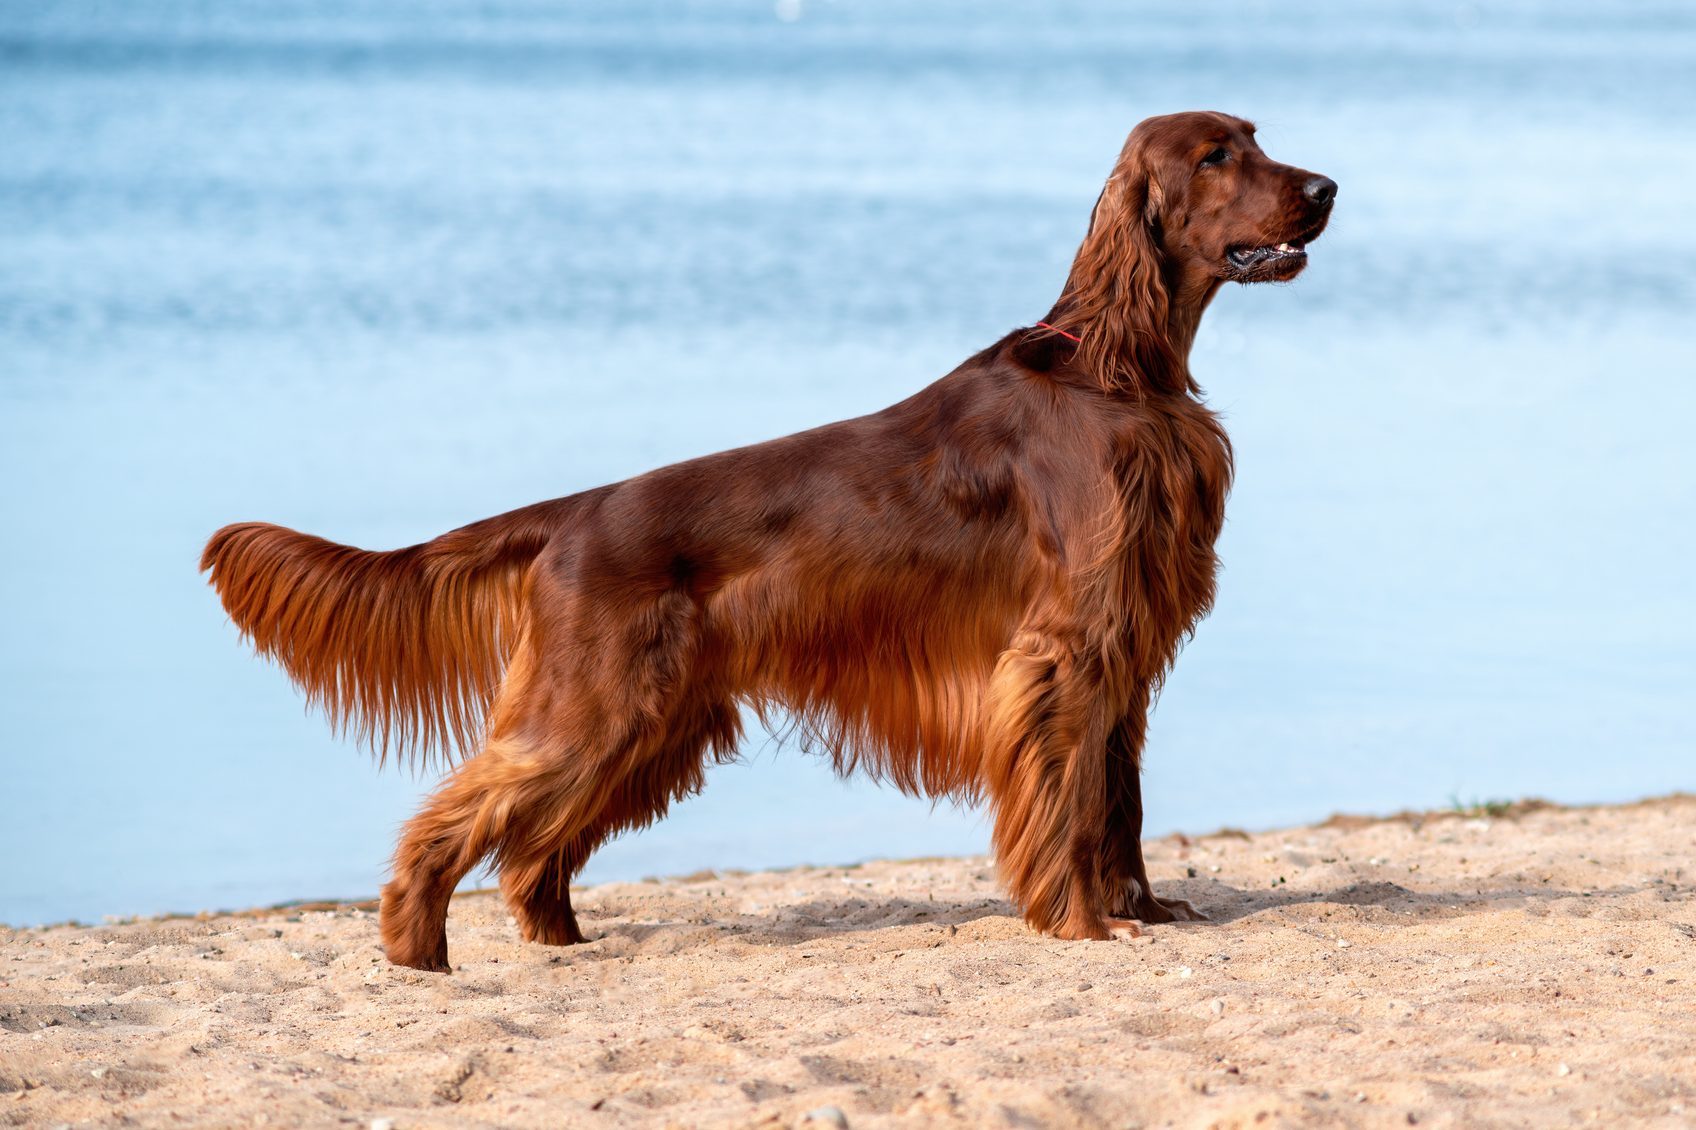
point(1116, 301)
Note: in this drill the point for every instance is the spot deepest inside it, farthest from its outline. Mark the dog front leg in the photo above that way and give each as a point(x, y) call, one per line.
point(1046, 772)
point(1129, 893)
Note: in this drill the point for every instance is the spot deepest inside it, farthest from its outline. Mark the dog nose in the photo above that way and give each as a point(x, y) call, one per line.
point(1320, 190)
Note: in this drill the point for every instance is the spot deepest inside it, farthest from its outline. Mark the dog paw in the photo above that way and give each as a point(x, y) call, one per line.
point(1124, 927)
point(426, 963)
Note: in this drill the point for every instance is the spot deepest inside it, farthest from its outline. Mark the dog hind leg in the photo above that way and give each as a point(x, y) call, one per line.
point(537, 886)
point(539, 897)
point(486, 801)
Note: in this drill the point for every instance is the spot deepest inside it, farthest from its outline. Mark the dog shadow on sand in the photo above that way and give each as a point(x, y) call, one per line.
point(932, 922)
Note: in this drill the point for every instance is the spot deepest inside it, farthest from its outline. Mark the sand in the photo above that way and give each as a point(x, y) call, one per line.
point(1535, 967)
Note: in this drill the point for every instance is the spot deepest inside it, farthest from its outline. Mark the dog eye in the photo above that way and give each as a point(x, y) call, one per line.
point(1218, 157)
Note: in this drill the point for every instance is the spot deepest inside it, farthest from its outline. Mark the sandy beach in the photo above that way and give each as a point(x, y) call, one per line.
point(1530, 966)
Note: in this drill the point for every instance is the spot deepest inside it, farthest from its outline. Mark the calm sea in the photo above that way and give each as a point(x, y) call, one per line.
point(375, 268)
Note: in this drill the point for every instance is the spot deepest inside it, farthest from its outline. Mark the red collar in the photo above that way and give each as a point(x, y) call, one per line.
point(1061, 332)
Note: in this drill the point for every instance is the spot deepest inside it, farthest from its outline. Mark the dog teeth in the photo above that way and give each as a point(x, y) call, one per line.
point(1285, 247)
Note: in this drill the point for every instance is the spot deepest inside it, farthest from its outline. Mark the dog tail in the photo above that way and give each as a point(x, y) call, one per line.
point(403, 648)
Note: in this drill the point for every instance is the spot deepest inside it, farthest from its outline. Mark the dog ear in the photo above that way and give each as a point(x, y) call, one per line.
point(1116, 299)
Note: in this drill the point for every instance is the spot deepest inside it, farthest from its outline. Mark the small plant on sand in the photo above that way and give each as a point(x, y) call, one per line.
point(1493, 808)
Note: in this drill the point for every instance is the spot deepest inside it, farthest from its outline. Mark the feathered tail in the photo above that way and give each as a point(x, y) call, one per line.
point(403, 648)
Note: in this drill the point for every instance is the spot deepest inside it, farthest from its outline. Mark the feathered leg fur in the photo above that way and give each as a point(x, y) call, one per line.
point(1045, 765)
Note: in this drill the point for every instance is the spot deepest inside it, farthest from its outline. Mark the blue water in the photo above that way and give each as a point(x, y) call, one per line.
point(376, 269)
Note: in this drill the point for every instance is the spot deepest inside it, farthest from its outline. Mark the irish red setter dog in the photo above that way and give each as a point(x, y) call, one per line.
point(973, 594)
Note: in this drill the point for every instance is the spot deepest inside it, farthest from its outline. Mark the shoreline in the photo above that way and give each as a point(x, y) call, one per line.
point(1459, 968)
point(1491, 809)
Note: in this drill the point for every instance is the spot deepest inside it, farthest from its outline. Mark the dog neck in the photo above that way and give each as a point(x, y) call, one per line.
point(1143, 356)
point(1190, 299)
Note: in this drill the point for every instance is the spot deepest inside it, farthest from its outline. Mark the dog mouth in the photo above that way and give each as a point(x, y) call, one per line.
point(1273, 262)
point(1270, 261)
